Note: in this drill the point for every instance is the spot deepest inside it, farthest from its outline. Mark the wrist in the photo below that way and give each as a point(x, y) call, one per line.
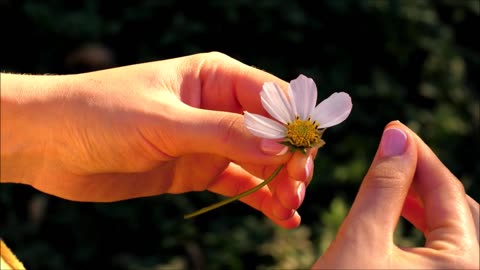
point(26, 118)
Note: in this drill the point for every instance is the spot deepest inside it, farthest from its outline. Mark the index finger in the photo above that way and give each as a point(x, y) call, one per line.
point(230, 85)
point(447, 214)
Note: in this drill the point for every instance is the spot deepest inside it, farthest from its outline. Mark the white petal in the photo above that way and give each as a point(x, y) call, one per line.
point(303, 93)
point(276, 103)
point(264, 127)
point(333, 110)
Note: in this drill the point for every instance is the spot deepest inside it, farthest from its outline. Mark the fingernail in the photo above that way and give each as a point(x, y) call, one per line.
point(308, 167)
point(301, 192)
point(272, 147)
point(283, 213)
point(394, 142)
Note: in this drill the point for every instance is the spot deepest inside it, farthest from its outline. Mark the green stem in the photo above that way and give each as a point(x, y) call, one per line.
point(239, 196)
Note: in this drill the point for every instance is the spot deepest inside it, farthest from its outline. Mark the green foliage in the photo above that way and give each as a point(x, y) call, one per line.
point(415, 61)
point(290, 249)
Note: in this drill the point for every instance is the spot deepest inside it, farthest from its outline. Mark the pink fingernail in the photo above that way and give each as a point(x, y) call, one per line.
point(272, 147)
point(301, 193)
point(394, 142)
point(308, 168)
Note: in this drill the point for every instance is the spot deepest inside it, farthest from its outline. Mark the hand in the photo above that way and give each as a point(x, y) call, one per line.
point(170, 126)
point(435, 203)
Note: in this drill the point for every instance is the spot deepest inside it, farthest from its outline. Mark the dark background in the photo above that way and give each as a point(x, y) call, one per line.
point(416, 61)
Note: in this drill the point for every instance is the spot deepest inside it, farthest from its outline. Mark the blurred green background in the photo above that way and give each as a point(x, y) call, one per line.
point(412, 60)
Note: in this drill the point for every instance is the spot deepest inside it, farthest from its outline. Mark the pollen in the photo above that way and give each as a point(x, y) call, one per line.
point(303, 133)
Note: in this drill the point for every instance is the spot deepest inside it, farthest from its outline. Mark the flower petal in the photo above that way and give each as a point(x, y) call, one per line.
point(264, 127)
point(276, 103)
point(333, 110)
point(303, 93)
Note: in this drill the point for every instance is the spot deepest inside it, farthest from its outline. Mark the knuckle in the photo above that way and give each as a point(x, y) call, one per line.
point(384, 176)
point(229, 127)
point(216, 56)
point(459, 185)
point(212, 58)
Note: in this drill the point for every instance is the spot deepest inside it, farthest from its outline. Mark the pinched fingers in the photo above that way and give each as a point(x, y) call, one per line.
point(300, 165)
point(448, 216)
point(374, 214)
point(414, 211)
point(290, 187)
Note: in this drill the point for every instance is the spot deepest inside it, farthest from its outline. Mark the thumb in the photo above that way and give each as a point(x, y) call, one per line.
point(378, 205)
point(224, 134)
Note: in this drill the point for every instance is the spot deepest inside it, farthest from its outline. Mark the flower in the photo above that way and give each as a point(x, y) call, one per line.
point(299, 123)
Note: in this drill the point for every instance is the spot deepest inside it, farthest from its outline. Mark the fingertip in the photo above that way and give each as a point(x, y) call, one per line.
point(288, 191)
point(298, 166)
point(273, 147)
point(309, 168)
point(292, 199)
point(291, 223)
point(396, 123)
point(292, 195)
point(284, 217)
point(384, 188)
point(394, 142)
point(281, 212)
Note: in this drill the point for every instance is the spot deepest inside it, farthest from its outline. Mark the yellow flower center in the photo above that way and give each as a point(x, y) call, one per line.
point(303, 133)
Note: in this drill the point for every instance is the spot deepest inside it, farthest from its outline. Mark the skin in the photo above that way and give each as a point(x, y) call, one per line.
point(171, 126)
point(175, 126)
point(417, 186)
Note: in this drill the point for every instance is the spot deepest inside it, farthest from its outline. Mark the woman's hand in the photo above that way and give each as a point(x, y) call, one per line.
point(170, 126)
point(406, 178)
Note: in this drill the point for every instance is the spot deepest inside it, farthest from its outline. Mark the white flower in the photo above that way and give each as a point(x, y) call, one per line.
point(300, 123)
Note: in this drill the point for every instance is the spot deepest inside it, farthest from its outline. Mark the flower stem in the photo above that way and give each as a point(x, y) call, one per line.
point(239, 196)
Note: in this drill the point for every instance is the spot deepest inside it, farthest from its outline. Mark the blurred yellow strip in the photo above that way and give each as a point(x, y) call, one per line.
point(8, 260)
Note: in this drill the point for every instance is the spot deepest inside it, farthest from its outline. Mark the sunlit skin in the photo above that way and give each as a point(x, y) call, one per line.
point(301, 135)
point(169, 126)
point(417, 186)
point(176, 126)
